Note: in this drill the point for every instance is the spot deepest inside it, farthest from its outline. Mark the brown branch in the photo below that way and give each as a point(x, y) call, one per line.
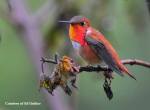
point(136, 62)
point(99, 68)
point(66, 66)
point(105, 68)
point(94, 68)
point(55, 61)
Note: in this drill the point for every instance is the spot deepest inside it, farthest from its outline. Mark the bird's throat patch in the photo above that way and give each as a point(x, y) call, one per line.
point(76, 33)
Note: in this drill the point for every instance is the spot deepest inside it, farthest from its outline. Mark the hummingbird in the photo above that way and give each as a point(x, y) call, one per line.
point(92, 45)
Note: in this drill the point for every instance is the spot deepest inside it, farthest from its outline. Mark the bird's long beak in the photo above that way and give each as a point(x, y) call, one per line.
point(68, 22)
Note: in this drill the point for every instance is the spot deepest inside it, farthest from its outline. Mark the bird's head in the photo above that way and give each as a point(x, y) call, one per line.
point(77, 28)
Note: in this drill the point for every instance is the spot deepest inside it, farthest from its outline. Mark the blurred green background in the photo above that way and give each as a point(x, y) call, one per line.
point(126, 23)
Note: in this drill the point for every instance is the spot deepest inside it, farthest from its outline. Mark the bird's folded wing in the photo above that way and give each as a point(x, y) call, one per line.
point(103, 53)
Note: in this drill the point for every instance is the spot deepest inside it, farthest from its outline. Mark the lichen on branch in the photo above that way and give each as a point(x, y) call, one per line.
point(62, 75)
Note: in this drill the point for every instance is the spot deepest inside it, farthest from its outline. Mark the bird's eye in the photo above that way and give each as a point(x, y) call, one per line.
point(82, 23)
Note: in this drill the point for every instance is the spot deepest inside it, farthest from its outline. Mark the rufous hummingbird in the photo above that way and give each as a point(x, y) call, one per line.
point(93, 46)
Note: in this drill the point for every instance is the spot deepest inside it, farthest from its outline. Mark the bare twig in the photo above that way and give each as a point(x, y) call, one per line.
point(94, 68)
point(125, 62)
point(136, 62)
point(99, 68)
point(48, 61)
point(106, 70)
point(55, 61)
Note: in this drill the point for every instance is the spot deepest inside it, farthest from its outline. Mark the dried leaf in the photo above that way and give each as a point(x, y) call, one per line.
point(107, 89)
point(64, 71)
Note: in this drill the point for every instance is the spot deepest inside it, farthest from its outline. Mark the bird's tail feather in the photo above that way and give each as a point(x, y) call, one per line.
point(132, 76)
point(127, 72)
